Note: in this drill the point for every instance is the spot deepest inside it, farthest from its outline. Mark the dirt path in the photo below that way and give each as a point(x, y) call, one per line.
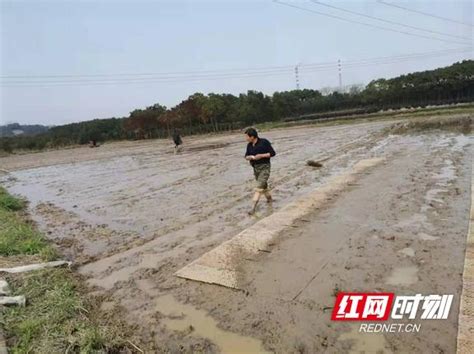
point(137, 214)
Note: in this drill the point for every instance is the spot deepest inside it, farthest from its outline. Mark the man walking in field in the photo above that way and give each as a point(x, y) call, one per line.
point(259, 151)
point(177, 140)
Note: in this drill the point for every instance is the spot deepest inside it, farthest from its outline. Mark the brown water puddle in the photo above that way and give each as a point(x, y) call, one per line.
point(365, 342)
point(204, 326)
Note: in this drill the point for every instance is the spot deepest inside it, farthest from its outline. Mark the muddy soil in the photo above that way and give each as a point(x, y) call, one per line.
point(130, 194)
point(135, 214)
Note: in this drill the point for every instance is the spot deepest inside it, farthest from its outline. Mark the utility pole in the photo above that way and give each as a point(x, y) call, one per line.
point(339, 67)
point(297, 77)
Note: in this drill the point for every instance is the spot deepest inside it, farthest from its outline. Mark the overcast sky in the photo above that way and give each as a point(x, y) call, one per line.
point(78, 38)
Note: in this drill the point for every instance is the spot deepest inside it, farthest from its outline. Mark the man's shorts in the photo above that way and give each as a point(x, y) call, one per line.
point(262, 174)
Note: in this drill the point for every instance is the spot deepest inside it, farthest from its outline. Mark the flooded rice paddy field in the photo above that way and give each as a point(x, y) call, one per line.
point(133, 213)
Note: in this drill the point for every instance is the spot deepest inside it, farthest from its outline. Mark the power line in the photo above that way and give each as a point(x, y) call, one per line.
point(206, 73)
point(425, 13)
point(163, 79)
point(200, 79)
point(367, 24)
point(391, 60)
point(177, 73)
point(306, 68)
point(170, 78)
point(395, 61)
point(415, 55)
point(388, 21)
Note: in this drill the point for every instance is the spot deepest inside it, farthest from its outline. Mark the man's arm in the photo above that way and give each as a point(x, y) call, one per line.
point(270, 149)
point(248, 156)
point(268, 154)
point(262, 156)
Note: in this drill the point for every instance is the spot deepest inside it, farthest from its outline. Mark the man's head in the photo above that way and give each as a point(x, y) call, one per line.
point(251, 135)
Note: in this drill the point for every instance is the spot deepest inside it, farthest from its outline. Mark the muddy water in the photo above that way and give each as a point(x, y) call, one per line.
point(143, 192)
point(145, 213)
point(183, 317)
point(371, 343)
point(384, 234)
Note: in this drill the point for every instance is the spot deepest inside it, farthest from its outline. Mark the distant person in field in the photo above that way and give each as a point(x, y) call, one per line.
point(177, 141)
point(259, 151)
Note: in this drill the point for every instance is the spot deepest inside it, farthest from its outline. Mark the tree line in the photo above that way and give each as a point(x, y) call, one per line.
point(15, 129)
point(200, 113)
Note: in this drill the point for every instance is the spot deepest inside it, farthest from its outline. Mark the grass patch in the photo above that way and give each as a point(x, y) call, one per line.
point(17, 235)
point(57, 318)
point(9, 202)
